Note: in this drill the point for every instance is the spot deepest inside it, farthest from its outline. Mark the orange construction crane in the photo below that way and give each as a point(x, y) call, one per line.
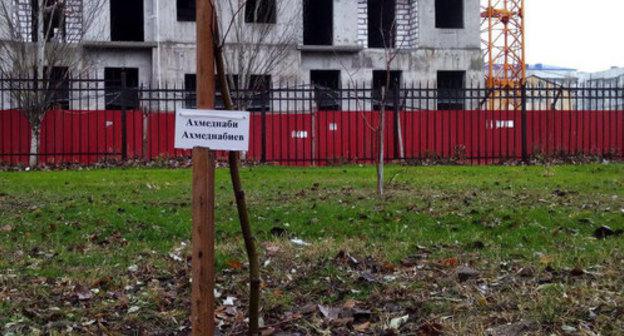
point(502, 23)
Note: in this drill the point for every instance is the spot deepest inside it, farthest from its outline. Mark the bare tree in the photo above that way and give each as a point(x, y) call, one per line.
point(257, 40)
point(40, 48)
point(391, 48)
point(390, 54)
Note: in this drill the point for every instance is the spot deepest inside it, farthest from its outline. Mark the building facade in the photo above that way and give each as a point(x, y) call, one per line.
point(334, 40)
point(552, 74)
point(601, 90)
point(605, 89)
point(328, 43)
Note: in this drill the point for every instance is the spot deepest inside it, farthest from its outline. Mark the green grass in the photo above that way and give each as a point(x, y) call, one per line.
point(514, 211)
point(88, 224)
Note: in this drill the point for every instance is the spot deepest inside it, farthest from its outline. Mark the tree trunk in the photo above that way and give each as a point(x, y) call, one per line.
point(241, 204)
point(380, 144)
point(397, 122)
point(39, 72)
point(250, 247)
point(40, 40)
point(34, 146)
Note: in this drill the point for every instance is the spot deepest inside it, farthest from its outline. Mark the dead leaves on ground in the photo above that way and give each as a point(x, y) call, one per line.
point(345, 293)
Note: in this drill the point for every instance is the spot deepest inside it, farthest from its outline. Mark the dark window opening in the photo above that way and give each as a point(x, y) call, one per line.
point(451, 87)
point(190, 90)
point(318, 22)
point(53, 20)
point(127, 20)
point(326, 89)
point(116, 96)
point(58, 85)
point(449, 14)
point(260, 11)
point(186, 10)
point(391, 83)
point(381, 23)
point(232, 81)
point(260, 95)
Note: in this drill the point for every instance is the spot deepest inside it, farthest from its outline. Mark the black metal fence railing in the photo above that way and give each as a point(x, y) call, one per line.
point(88, 120)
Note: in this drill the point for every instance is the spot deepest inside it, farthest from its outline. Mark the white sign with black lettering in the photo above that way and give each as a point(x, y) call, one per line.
point(216, 130)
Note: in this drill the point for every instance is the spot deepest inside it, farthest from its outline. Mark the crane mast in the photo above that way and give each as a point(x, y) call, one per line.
point(502, 24)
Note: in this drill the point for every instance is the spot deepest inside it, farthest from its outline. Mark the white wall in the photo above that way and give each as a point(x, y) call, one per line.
point(427, 49)
point(345, 22)
point(99, 29)
point(435, 38)
point(112, 58)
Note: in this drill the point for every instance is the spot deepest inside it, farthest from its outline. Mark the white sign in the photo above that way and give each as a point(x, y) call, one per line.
point(217, 130)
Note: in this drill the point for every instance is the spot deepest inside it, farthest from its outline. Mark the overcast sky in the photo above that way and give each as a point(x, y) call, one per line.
point(584, 34)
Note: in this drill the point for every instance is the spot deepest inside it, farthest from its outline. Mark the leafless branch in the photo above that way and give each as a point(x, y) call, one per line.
point(255, 48)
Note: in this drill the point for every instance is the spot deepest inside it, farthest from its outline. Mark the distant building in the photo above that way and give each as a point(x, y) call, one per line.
point(549, 94)
point(553, 74)
point(338, 40)
point(602, 90)
point(605, 90)
point(338, 43)
point(613, 77)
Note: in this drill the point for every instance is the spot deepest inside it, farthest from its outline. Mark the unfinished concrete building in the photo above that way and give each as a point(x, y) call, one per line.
point(332, 43)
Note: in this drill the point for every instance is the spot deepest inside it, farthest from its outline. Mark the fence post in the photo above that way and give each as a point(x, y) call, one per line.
point(397, 128)
point(145, 126)
point(523, 117)
point(124, 122)
point(263, 130)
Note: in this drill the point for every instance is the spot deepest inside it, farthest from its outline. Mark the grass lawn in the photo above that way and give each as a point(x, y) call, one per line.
point(458, 250)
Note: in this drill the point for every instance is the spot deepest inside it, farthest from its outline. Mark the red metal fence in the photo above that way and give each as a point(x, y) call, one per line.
point(325, 137)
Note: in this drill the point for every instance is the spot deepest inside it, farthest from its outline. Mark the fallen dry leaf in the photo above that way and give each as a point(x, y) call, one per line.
point(431, 329)
point(362, 327)
point(343, 321)
point(464, 273)
point(329, 313)
point(83, 294)
point(450, 262)
point(267, 331)
point(234, 264)
point(389, 267)
point(349, 304)
point(397, 322)
point(278, 293)
point(271, 248)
